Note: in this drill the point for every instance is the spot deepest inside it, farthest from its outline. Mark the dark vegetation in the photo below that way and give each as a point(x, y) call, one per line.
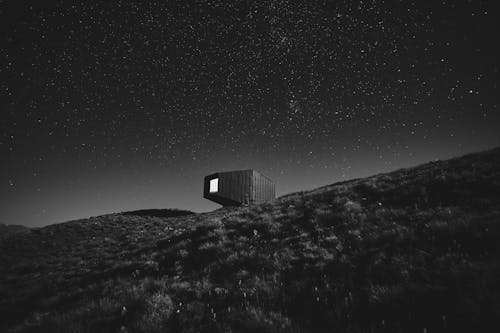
point(6, 230)
point(159, 212)
point(415, 250)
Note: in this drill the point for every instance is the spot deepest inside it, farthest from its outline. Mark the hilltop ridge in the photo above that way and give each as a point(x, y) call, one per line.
point(408, 250)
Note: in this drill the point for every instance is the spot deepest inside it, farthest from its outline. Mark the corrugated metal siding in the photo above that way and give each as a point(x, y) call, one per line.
point(254, 188)
point(264, 189)
point(235, 185)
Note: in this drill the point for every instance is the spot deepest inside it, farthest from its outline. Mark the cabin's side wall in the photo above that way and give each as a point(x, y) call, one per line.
point(236, 185)
point(263, 188)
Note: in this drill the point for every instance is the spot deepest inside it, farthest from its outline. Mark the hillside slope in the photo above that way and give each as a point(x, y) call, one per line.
point(6, 230)
point(415, 250)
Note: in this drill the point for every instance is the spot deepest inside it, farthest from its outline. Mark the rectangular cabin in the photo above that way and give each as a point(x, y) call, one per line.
point(241, 187)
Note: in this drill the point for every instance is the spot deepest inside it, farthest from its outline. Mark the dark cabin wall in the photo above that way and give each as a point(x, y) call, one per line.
point(263, 188)
point(217, 197)
point(236, 185)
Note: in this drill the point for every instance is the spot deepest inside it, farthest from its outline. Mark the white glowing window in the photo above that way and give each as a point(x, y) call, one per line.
point(214, 185)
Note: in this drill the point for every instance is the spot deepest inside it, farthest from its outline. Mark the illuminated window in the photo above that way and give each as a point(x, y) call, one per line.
point(214, 185)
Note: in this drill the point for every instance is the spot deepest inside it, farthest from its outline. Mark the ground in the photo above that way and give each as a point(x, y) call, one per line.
point(415, 250)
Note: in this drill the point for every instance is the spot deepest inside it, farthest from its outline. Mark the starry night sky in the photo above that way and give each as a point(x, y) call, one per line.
point(111, 106)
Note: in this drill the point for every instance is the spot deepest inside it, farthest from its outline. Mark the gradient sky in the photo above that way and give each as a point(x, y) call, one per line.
point(112, 106)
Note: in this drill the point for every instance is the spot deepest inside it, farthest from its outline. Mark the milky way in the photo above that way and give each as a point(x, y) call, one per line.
point(112, 106)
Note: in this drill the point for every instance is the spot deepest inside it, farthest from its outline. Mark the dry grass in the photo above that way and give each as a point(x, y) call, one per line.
point(402, 252)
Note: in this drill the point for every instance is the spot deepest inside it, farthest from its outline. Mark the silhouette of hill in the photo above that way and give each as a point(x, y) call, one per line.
point(414, 250)
point(7, 230)
point(159, 212)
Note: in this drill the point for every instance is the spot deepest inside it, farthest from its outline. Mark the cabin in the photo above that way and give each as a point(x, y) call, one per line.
point(240, 187)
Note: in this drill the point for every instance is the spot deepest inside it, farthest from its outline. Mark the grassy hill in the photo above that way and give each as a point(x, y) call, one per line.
point(415, 250)
point(6, 230)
